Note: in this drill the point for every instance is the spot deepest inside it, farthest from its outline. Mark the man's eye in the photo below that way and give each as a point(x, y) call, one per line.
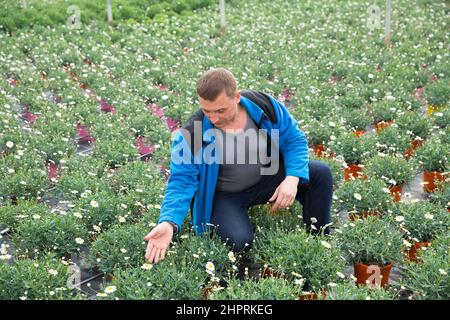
point(220, 111)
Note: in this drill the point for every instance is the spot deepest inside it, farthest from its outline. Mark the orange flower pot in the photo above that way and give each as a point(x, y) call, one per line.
point(353, 216)
point(396, 192)
point(412, 252)
point(318, 149)
point(353, 172)
point(379, 126)
point(432, 109)
point(429, 179)
point(374, 274)
point(311, 296)
point(359, 133)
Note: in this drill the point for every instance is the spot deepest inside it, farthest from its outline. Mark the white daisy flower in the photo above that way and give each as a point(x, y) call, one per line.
point(231, 256)
point(210, 267)
point(53, 272)
point(429, 216)
point(10, 144)
point(326, 244)
point(146, 266)
point(110, 289)
point(399, 218)
point(357, 196)
point(79, 240)
point(94, 204)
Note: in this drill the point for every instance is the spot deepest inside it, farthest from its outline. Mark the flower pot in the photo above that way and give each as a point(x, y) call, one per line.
point(379, 126)
point(359, 133)
point(353, 172)
point(363, 215)
point(411, 150)
point(396, 192)
point(312, 295)
point(376, 275)
point(318, 149)
point(206, 292)
point(429, 178)
point(432, 109)
point(412, 252)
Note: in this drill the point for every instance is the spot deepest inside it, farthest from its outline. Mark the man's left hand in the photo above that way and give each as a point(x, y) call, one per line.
point(284, 195)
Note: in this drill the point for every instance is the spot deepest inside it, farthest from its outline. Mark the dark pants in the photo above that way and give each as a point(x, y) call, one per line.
point(230, 210)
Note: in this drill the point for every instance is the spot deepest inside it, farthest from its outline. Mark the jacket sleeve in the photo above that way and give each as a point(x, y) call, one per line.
point(292, 143)
point(182, 185)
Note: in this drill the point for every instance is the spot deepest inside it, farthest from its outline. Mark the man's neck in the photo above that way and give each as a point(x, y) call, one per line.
point(239, 122)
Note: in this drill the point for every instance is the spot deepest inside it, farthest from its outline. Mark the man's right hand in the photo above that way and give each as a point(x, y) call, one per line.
point(158, 241)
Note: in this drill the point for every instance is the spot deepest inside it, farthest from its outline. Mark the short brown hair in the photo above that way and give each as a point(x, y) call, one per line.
point(213, 82)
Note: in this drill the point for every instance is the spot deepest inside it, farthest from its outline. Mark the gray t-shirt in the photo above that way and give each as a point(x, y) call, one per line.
point(242, 155)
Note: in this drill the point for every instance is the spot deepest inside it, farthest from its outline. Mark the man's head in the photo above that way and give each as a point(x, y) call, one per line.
point(218, 96)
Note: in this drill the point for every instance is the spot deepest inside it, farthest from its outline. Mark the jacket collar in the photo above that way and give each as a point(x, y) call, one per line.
point(253, 110)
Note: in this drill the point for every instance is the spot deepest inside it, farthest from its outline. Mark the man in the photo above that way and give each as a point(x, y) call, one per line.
point(218, 192)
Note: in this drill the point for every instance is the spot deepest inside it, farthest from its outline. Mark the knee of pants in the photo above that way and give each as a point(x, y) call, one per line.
point(322, 174)
point(240, 243)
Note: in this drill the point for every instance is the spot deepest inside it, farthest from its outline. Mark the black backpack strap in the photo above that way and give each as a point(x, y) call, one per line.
point(262, 100)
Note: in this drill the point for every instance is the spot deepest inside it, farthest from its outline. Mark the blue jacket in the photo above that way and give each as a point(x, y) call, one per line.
point(197, 181)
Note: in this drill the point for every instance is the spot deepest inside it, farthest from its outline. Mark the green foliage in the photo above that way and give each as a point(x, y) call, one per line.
point(39, 279)
point(371, 241)
point(49, 233)
point(264, 289)
point(354, 150)
point(119, 248)
point(360, 196)
point(316, 260)
point(429, 279)
point(422, 220)
point(350, 291)
point(393, 170)
point(433, 156)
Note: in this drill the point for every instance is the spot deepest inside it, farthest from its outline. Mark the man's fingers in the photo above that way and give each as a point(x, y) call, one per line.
point(163, 254)
point(150, 247)
point(151, 235)
point(152, 255)
point(274, 196)
point(157, 255)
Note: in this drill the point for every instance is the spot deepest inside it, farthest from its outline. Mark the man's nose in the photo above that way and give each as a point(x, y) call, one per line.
point(214, 119)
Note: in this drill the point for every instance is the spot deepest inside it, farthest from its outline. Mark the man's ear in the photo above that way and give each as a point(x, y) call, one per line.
point(238, 96)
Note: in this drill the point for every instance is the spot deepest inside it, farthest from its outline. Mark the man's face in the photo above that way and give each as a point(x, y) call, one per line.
point(222, 110)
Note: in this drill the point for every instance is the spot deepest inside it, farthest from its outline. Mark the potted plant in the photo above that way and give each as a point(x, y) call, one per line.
point(441, 119)
point(429, 279)
point(373, 246)
point(354, 151)
point(394, 171)
point(37, 279)
point(437, 95)
point(200, 250)
point(296, 254)
point(162, 281)
point(350, 291)
point(441, 195)
point(362, 198)
point(61, 234)
point(11, 216)
point(393, 141)
point(384, 114)
point(433, 158)
point(421, 222)
point(264, 289)
point(118, 248)
point(357, 120)
point(415, 126)
point(318, 135)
